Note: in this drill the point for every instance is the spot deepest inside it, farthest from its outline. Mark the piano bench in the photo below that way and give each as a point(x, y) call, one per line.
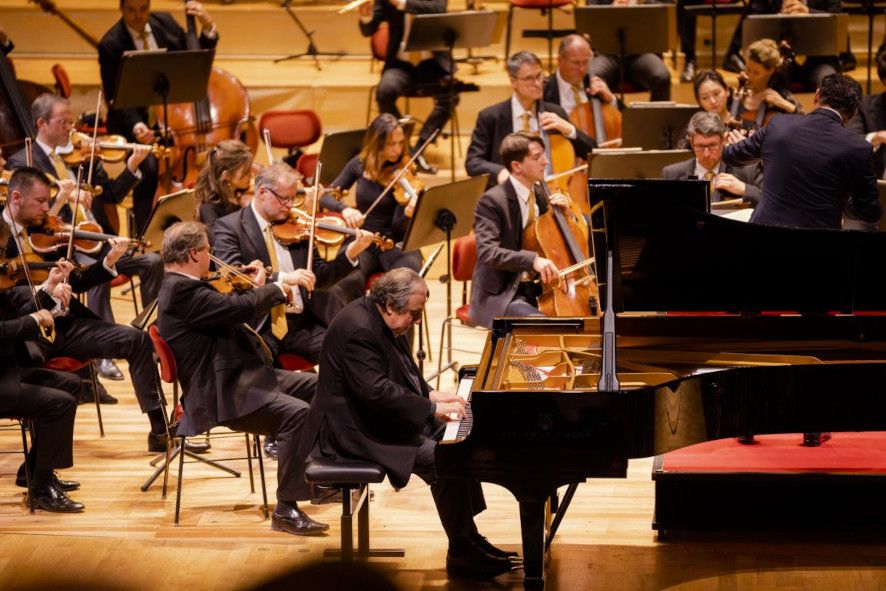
point(351, 475)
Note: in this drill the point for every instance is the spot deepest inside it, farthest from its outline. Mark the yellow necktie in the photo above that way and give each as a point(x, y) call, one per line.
point(531, 203)
point(23, 241)
point(61, 170)
point(576, 92)
point(279, 327)
point(526, 115)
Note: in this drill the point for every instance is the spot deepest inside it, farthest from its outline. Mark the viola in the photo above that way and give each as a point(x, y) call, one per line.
point(226, 281)
point(329, 230)
point(13, 270)
point(408, 188)
point(55, 234)
point(113, 148)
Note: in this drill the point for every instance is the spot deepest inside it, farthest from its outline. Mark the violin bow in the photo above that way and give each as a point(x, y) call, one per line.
point(403, 170)
point(29, 152)
point(310, 264)
point(46, 333)
point(98, 112)
point(266, 135)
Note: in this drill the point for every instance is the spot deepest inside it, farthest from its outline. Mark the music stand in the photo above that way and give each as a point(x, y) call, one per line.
point(656, 125)
point(808, 34)
point(337, 150)
point(647, 164)
point(311, 51)
point(176, 207)
point(626, 30)
point(442, 213)
point(446, 32)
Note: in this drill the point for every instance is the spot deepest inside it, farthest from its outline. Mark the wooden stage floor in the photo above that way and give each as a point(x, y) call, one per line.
point(126, 539)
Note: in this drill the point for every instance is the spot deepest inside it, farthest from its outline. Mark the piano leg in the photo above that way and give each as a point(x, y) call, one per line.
point(532, 524)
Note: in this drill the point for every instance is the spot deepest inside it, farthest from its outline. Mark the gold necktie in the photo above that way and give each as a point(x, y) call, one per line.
point(279, 327)
point(530, 219)
point(143, 37)
point(61, 170)
point(23, 242)
point(576, 92)
point(709, 175)
point(526, 115)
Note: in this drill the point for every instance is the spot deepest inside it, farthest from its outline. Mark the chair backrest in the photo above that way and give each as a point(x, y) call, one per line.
point(62, 81)
point(378, 42)
point(292, 129)
point(464, 257)
point(168, 372)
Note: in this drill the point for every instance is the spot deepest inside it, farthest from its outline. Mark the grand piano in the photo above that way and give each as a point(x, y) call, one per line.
point(722, 329)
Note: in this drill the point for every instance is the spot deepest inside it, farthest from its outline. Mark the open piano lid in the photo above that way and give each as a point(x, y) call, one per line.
point(674, 256)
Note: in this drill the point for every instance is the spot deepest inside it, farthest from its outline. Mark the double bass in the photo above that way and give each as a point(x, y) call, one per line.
point(196, 128)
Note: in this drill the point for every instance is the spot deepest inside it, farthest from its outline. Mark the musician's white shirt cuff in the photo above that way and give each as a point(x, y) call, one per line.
point(574, 133)
point(354, 262)
point(112, 269)
point(58, 302)
point(870, 139)
point(211, 33)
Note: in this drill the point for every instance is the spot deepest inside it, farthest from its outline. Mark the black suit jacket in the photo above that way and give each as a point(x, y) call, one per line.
point(751, 176)
point(871, 117)
point(221, 366)
point(551, 93)
point(117, 40)
point(238, 240)
point(113, 190)
point(498, 227)
point(15, 328)
point(371, 404)
point(383, 11)
point(493, 124)
point(812, 167)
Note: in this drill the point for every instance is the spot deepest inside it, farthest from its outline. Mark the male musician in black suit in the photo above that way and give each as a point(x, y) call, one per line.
point(501, 284)
point(646, 70)
point(400, 74)
point(870, 120)
point(524, 111)
point(813, 166)
point(53, 118)
point(245, 236)
point(572, 83)
point(226, 377)
point(141, 29)
point(706, 134)
point(78, 332)
point(45, 396)
point(373, 404)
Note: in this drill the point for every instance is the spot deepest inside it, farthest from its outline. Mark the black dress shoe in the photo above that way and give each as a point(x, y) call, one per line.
point(50, 498)
point(424, 166)
point(688, 73)
point(472, 561)
point(815, 439)
point(485, 545)
point(157, 443)
point(87, 395)
point(734, 63)
point(271, 448)
point(65, 485)
point(108, 369)
point(295, 521)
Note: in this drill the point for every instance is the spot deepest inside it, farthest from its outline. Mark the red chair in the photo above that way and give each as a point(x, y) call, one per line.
point(169, 374)
point(464, 259)
point(62, 81)
point(73, 365)
point(292, 130)
point(546, 6)
point(294, 362)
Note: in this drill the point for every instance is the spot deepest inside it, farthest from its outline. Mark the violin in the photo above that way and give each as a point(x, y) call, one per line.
point(408, 188)
point(55, 234)
point(12, 271)
point(114, 148)
point(329, 230)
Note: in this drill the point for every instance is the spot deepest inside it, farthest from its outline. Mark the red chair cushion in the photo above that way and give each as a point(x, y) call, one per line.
point(62, 80)
point(307, 164)
point(70, 364)
point(294, 362)
point(292, 129)
point(371, 279)
point(463, 313)
point(378, 43)
point(119, 280)
point(464, 257)
point(168, 372)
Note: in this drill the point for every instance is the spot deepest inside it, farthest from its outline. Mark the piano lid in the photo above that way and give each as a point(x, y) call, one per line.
point(672, 255)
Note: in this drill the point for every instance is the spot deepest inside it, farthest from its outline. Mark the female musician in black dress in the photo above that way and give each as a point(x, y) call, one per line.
point(224, 181)
point(380, 159)
point(767, 93)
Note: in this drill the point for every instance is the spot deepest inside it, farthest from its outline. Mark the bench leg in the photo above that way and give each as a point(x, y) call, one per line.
point(346, 552)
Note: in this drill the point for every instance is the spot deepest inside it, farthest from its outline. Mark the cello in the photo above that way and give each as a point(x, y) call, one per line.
point(195, 128)
point(562, 237)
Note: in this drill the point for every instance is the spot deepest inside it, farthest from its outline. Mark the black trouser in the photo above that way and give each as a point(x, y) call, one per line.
point(148, 267)
point(49, 398)
point(644, 69)
point(686, 23)
point(143, 193)
point(401, 78)
point(457, 500)
point(90, 338)
point(283, 419)
point(304, 336)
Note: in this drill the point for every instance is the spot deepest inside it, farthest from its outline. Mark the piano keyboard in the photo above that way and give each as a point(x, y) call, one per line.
point(457, 430)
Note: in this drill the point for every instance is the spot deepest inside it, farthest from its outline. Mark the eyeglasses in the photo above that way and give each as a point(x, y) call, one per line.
point(709, 148)
point(63, 122)
point(532, 79)
point(285, 201)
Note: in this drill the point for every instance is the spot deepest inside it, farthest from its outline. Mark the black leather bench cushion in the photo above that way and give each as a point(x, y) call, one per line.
point(343, 472)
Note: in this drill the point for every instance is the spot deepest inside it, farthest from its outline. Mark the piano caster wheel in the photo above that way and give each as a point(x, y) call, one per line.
point(747, 440)
point(662, 535)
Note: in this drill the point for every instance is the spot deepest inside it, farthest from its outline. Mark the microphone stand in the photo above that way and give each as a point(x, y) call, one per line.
point(312, 51)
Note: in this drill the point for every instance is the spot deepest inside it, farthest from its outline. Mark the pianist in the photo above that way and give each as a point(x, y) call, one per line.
point(372, 404)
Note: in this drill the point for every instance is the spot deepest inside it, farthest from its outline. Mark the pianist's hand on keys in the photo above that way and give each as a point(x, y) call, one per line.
point(450, 406)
